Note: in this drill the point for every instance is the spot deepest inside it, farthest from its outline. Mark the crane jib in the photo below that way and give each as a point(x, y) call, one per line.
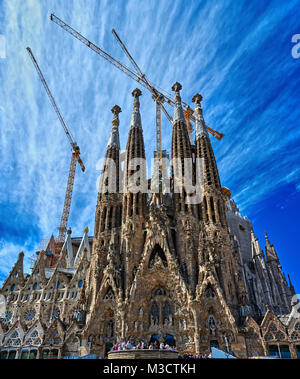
point(140, 77)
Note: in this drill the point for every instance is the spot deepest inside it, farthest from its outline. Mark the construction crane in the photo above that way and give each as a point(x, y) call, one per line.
point(75, 155)
point(160, 97)
point(137, 75)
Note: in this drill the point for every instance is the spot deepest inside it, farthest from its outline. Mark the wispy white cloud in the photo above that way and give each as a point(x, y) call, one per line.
point(9, 252)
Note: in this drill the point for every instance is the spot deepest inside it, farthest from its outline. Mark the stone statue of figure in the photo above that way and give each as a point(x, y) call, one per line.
point(109, 330)
point(170, 320)
point(154, 202)
point(117, 276)
point(152, 321)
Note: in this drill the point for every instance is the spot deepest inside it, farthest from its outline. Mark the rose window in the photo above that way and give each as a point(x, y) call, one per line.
point(29, 315)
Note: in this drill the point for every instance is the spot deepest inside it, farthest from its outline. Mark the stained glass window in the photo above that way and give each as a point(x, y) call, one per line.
point(279, 336)
point(268, 337)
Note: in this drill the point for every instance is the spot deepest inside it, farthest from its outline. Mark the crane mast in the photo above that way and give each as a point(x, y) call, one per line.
point(75, 155)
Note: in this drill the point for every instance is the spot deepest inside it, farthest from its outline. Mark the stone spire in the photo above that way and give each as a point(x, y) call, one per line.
point(135, 194)
point(135, 143)
point(109, 209)
point(136, 117)
point(114, 139)
point(292, 289)
point(213, 209)
point(178, 111)
point(200, 128)
point(271, 254)
point(134, 203)
point(181, 149)
point(110, 173)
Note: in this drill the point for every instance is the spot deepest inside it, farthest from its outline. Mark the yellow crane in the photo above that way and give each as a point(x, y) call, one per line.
point(75, 155)
point(140, 77)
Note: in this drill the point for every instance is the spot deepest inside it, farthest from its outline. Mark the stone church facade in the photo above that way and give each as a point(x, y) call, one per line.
point(158, 266)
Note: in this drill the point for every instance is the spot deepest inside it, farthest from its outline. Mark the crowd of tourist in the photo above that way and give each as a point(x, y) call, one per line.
point(156, 345)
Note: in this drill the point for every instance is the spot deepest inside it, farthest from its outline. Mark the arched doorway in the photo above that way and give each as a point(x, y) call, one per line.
point(108, 347)
point(214, 343)
point(169, 340)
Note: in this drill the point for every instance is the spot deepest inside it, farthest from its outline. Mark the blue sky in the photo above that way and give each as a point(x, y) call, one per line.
point(237, 54)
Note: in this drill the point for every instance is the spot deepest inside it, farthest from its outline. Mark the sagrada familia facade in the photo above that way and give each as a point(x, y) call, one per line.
point(157, 267)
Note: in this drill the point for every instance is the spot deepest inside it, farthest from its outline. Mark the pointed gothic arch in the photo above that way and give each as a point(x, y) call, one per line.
point(157, 253)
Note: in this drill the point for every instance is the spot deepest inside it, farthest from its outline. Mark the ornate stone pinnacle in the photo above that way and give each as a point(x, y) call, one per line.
point(197, 98)
point(176, 87)
point(200, 128)
point(116, 110)
point(178, 112)
point(136, 93)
